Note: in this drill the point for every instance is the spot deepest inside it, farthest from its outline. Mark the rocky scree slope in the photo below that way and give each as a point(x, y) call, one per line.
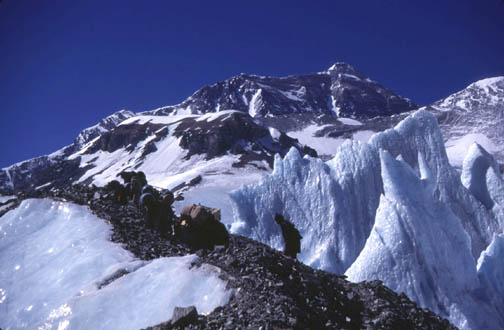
point(270, 290)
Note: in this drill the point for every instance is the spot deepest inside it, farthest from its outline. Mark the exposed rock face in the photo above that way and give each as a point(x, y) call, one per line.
point(40, 173)
point(236, 133)
point(340, 91)
point(128, 137)
point(183, 316)
point(105, 125)
point(271, 290)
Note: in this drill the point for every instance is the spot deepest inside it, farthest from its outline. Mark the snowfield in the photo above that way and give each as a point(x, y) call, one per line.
point(457, 148)
point(58, 270)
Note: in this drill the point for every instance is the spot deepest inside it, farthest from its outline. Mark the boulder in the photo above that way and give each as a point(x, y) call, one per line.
point(183, 316)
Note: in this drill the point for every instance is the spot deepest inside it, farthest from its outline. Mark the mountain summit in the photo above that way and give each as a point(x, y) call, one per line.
point(341, 91)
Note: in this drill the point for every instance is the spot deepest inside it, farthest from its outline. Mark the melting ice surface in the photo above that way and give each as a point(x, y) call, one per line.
point(56, 258)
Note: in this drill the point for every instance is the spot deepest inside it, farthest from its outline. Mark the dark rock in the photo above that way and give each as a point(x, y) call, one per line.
point(126, 136)
point(237, 133)
point(183, 316)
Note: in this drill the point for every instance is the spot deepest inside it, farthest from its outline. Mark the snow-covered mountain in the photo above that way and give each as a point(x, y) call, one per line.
point(341, 90)
point(405, 204)
point(412, 222)
point(222, 141)
point(474, 114)
point(320, 110)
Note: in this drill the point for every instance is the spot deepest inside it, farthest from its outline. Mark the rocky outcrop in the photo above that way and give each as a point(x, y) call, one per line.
point(128, 136)
point(236, 133)
point(40, 173)
point(105, 125)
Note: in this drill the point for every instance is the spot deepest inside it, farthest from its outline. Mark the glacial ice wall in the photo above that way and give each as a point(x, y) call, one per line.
point(420, 134)
point(482, 177)
point(334, 204)
point(307, 192)
point(395, 210)
point(418, 246)
point(491, 274)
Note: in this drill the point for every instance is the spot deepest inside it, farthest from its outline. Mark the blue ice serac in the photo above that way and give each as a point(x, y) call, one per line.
point(393, 209)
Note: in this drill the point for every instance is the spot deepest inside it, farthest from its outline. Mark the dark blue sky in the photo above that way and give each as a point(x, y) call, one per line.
point(64, 64)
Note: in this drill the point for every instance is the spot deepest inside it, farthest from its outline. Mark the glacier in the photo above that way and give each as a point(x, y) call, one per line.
point(491, 274)
point(78, 279)
point(392, 209)
point(334, 204)
point(418, 246)
point(482, 177)
point(300, 188)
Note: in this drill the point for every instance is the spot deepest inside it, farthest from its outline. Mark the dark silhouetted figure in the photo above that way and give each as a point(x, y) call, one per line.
point(117, 192)
point(291, 236)
point(134, 182)
point(137, 183)
point(158, 212)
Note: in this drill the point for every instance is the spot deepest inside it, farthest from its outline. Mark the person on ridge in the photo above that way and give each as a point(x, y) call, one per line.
point(291, 236)
point(137, 182)
point(158, 212)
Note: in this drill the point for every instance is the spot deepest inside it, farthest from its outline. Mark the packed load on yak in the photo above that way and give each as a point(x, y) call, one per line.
point(115, 191)
point(200, 227)
point(158, 209)
point(134, 182)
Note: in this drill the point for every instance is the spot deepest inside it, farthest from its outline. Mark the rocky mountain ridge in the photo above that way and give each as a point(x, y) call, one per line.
point(340, 91)
point(295, 101)
point(209, 150)
point(305, 117)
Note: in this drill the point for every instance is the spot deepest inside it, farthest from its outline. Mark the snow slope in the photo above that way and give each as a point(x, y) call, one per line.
point(327, 146)
point(67, 281)
point(474, 114)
